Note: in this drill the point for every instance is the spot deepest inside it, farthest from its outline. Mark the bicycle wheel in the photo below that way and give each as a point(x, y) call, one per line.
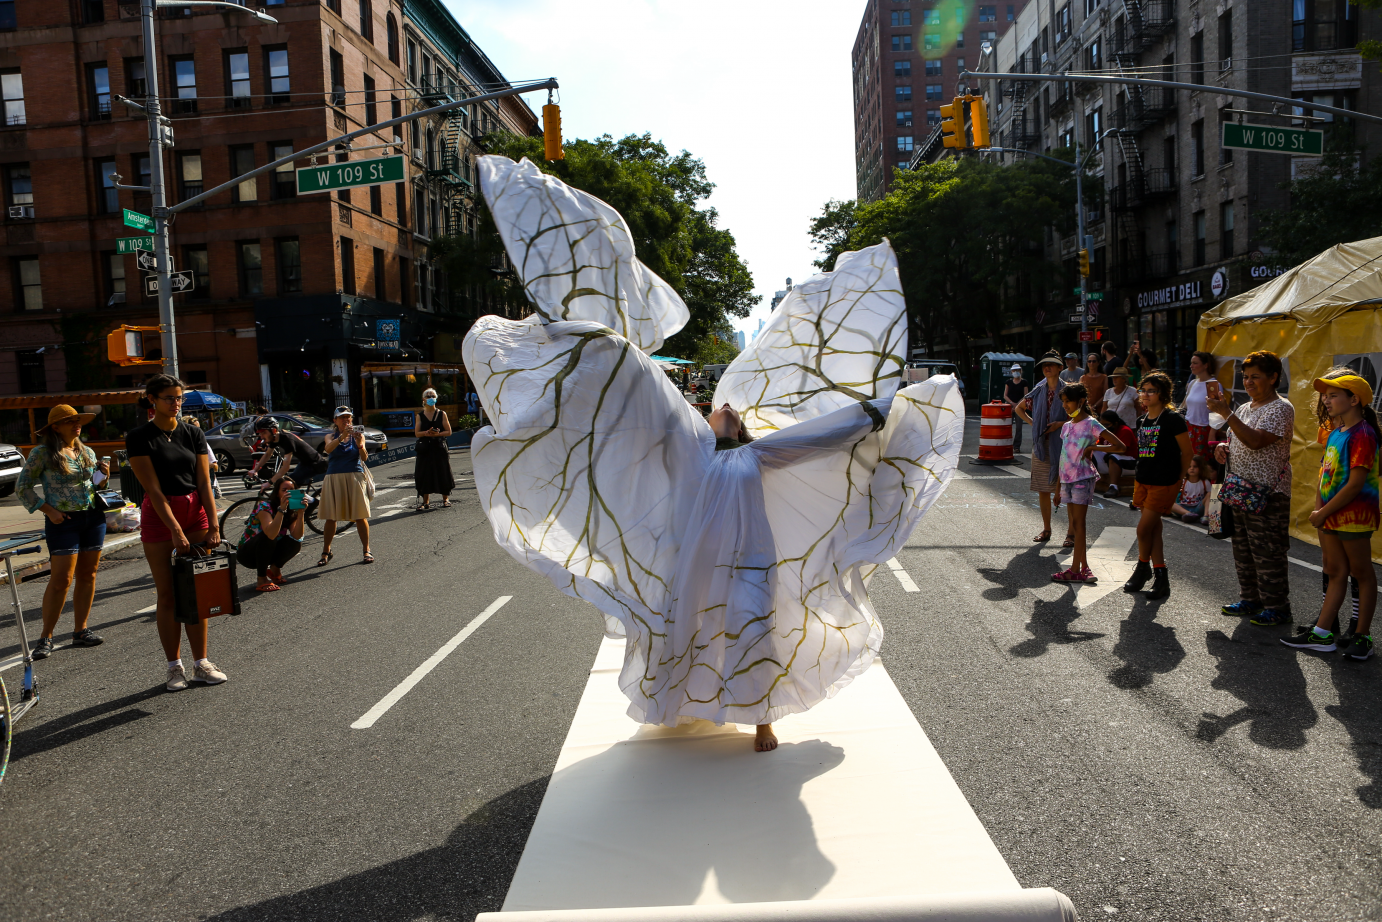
point(317, 525)
point(242, 515)
point(5, 724)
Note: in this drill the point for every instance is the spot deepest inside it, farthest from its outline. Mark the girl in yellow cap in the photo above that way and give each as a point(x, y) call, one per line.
point(1346, 512)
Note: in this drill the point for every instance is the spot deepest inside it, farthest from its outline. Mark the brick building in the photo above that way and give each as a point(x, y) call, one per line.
point(906, 60)
point(288, 287)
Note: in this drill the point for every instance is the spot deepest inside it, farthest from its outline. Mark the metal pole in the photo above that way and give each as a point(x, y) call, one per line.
point(157, 191)
point(1080, 242)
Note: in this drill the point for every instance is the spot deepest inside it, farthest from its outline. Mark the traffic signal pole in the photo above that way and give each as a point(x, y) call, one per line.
point(1081, 244)
point(167, 330)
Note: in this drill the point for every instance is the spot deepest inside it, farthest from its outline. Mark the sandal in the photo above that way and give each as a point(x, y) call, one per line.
point(267, 585)
point(326, 558)
point(446, 504)
point(1069, 541)
point(424, 507)
point(1044, 536)
point(276, 576)
point(369, 558)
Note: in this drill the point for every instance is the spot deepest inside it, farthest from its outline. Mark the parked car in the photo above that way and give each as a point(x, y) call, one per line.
point(921, 369)
point(230, 441)
point(11, 463)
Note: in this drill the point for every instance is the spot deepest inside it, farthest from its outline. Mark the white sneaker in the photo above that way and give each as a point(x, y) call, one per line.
point(208, 674)
point(177, 678)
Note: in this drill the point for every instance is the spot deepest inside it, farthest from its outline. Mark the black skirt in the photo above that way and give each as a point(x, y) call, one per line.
point(432, 472)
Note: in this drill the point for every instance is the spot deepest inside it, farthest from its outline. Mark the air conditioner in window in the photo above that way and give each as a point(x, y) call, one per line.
point(117, 298)
point(20, 211)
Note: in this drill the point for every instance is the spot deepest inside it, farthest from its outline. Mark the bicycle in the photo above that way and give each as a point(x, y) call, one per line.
point(28, 695)
point(313, 494)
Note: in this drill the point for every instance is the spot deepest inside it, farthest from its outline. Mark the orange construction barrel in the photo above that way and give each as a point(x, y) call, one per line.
point(995, 432)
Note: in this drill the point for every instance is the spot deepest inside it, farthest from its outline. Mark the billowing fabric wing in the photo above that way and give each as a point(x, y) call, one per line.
point(575, 255)
point(838, 338)
point(592, 460)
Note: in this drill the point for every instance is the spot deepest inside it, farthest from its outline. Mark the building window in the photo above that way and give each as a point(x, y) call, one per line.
point(934, 68)
point(1063, 23)
point(904, 142)
point(289, 265)
point(400, 194)
point(334, 6)
point(988, 14)
point(107, 196)
point(1199, 238)
point(184, 84)
point(1197, 58)
point(7, 18)
point(1225, 230)
point(902, 94)
point(348, 265)
point(143, 175)
point(1094, 55)
point(241, 162)
point(371, 112)
point(1173, 246)
point(380, 282)
point(276, 70)
point(367, 20)
point(931, 17)
point(1197, 148)
point(1225, 153)
point(931, 42)
point(959, 64)
point(33, 378)
point(98, 77)
point(376, 200)
point(337, 79)
point(251, 266)
point(136, 84)
point(902, 43)
point(30, 293)
point(935, 91)
point(238, 77)
point(113, 267)
point(12, 98)
point(1323, 25)
point(285, 183)
point(904, 118)
point(412, 62)
point(1012, 12)
point(902, 18)
point(19, 188)
point(902, 68)
point(987, 35)
point(341, 157)
point(1226, 40)
point(1093, 125)
point(391, 35)
point(190, 176)
point(960, 36)
point(195, 260)
point(933, 117)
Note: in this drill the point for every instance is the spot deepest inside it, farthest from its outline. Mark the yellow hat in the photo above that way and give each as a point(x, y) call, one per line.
point(61, 412)
point(1351, 383)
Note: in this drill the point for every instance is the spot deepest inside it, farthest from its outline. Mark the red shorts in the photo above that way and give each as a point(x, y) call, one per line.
point(187, 512)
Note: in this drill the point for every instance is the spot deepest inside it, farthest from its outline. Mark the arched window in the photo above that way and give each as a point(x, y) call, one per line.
point(391, 25)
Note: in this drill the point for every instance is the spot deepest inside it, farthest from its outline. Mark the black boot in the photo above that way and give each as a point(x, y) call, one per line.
point(1161, 585)
point(1139, 577)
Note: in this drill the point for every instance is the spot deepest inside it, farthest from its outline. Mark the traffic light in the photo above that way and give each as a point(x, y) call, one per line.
point(1084, 263)
point(979, 120)
point(953, 124)
point(551, 132)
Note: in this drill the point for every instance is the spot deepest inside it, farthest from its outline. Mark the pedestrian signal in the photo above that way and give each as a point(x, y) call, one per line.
point(1084, 263)
point(551, 132)
point(979, 120)
point(953, 124)
point(125, 346)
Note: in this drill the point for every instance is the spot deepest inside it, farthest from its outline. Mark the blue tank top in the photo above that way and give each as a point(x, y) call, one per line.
point(345, 459)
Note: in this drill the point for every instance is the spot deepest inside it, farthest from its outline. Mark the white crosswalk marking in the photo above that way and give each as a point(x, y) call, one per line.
point(1108, 561)
point(902, 575)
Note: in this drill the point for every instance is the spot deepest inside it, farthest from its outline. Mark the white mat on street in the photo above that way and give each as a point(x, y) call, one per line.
point(855, 805)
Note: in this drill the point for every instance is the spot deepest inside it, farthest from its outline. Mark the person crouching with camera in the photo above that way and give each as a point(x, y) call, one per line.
point(273, 535)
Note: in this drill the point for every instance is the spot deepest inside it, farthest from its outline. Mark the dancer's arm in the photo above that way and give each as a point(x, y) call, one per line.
point(822, 434)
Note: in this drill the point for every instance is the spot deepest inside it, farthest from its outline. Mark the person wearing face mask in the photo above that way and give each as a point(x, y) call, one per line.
point(1014, 392)
point(432, 471)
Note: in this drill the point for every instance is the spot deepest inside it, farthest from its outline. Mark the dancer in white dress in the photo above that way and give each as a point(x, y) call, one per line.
point(739, 577)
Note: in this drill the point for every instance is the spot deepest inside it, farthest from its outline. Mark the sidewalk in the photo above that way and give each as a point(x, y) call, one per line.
point(14, 521)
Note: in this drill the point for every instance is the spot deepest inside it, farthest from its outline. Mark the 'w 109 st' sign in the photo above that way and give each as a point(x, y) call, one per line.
point(331, 176)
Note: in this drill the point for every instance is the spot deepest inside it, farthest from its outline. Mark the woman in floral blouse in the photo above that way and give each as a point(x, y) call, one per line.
point(68, 472)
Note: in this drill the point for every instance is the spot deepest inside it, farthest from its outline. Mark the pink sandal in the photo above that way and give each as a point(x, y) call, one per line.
point(1083, 575)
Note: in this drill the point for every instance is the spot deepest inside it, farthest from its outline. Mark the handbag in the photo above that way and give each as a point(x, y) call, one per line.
point(107, 500)
point(1243, 495)
point(1218, 518)
point(369, 484)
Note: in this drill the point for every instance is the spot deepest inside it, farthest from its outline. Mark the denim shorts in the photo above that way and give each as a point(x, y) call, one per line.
point(1077, 493)
point(80, 532)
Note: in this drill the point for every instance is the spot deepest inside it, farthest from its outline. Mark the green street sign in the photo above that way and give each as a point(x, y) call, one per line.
point(130, 244)
point(1273, 140)
point(138, 221)
point(1094, 296)
point(351, 173)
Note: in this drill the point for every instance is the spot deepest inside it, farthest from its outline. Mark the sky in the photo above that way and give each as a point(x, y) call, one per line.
point(757, 89)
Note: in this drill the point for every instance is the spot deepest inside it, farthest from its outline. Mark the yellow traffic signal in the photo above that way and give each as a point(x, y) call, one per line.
point(125, 345)
point(1084, 263)
point(979, 119)
point(551, 132)
point(953, 124)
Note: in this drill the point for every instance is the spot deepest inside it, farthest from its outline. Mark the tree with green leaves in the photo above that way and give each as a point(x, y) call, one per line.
point(658, 194)
point(1337, 202)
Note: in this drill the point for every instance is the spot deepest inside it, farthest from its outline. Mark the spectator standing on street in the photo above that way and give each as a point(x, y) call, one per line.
point(75, 530)
point(1094, 380)
point(1072, 373)
point(272, 537)
point(1080, 437)
point(1046, 414)
point(169, 458)
point(1014, 391)
point(1346, 512)
point(1163, 456)
point(344, 497)
point(432, 469)
point(1111, 464)
point(1112, 359)
point(1202, 368)
point(1120, 398)
point(191, 420)
point(1257, 456)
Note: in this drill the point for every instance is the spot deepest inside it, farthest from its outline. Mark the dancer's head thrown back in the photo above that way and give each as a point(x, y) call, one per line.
point(726, 424)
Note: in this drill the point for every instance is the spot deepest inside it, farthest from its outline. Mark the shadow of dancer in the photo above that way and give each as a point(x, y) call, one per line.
point(1268, 679)
point(1146, 648)
point(1358, 712)
point(1050, 624)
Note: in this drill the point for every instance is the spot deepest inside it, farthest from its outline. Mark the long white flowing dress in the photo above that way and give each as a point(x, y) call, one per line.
point(740, 576)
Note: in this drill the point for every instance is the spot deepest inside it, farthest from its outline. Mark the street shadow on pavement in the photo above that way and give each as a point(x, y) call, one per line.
point(1267, 678)
point(80, 725)
point(1147, 649)
point(1356, 685)
point(1050, 624)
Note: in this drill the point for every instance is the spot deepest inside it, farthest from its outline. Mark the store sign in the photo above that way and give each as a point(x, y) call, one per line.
point(1218, 284)
point(1264, 272)
point(386, 333)
point(1171, 296)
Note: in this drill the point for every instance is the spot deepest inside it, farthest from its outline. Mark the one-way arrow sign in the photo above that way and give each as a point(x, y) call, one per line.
point(146, 260)
point(180, 282)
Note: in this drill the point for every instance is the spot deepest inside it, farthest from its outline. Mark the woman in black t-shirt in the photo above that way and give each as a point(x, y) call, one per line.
point(169, 457)
point(1163, 457)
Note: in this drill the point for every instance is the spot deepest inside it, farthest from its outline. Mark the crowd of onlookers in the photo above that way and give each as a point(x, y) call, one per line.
point(1209, 461)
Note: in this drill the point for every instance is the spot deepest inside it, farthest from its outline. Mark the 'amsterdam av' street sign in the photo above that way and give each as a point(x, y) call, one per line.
point(1273, 140)
point(351, 173)
point(138, 221)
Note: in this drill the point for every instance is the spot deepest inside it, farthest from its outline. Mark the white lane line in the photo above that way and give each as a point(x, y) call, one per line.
point(148, 611)
point(393, 697)
point(902, 575)
point(1308, 566)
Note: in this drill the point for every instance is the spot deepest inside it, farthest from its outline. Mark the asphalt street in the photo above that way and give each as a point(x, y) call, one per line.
point(1152, 761)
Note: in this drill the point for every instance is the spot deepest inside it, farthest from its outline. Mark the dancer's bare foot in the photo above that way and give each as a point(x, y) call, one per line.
point(764, 740)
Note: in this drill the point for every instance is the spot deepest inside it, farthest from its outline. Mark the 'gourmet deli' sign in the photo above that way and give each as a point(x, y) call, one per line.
point(1170, 296)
